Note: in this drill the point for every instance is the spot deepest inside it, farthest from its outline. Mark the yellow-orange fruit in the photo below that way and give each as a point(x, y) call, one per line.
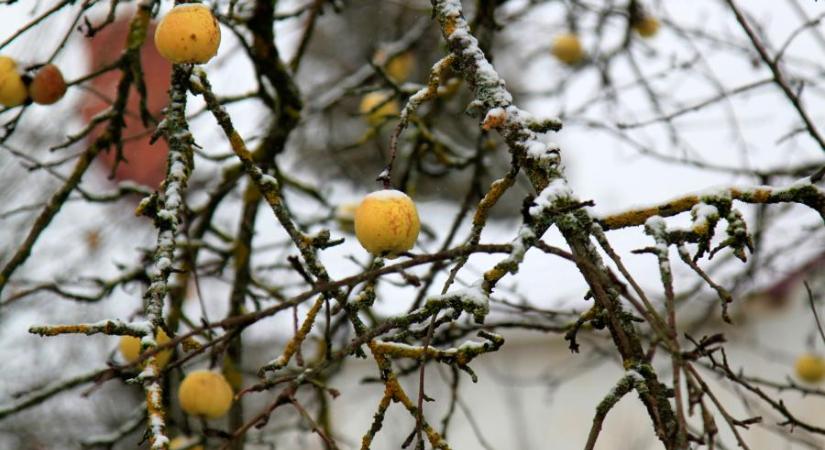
point(386, 223)
point(188, 34)
point(400, 67)
point(205, 393)
point(48, 85)
point(13, 91)
point(375, 114)
point(646, 26)
point(183, 442)
point(130, 348)
point(810, 368)
point(567, 48)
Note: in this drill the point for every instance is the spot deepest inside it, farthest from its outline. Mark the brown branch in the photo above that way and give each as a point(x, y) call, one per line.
point(778, 76)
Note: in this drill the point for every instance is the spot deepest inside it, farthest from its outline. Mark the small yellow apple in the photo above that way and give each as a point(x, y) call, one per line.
point(386, 223)
point(567, 48)
point(810, 368)
point(48, 85)
point(130, 348)
point(646, 26)
point(13, 90)
point(184, 442)
point(206, 394)
point(400, 67)
point(377, 106)
point(188, 34)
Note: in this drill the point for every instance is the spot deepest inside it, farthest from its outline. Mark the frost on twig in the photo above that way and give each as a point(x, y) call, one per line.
point(474, 300)
point(656, 227)
point(802, 191)
point(459, 356)
point(295, 342)
point(625, 384)
point(110, 327)
point(542, 164)
point(168, 217)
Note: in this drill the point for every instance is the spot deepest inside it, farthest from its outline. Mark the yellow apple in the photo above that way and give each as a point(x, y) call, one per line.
point(13, 91)
point(377, 106)
point(810, 368)
point(130, 348)
point(188, 34)
point(568, 48)
point(183, 442)
point(646, 26)
point(400, 67)
point(386, 223)
point(205, 393)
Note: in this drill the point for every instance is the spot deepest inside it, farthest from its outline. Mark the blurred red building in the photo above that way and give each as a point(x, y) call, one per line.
point(146, 164)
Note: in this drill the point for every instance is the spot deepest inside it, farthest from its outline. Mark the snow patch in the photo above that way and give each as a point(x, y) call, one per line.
point(387, 194)
point(547, 198)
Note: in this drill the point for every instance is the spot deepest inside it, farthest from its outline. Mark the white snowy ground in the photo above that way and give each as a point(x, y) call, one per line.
point(614, 176)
